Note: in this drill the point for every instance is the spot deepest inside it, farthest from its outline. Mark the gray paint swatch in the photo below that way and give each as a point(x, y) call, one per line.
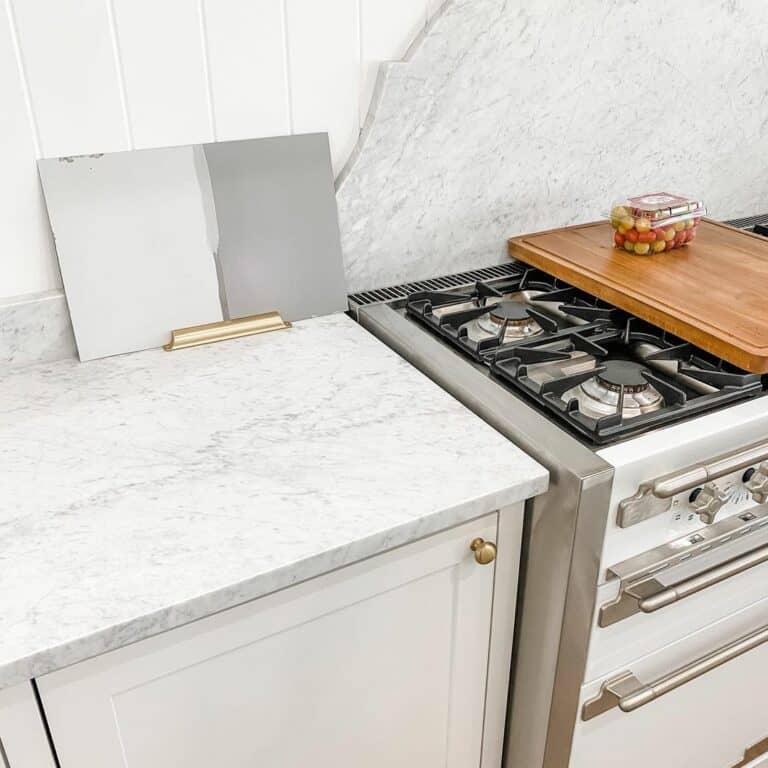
point(279, 245)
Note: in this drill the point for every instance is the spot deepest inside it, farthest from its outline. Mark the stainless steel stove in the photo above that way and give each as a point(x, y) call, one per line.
point(646, 564)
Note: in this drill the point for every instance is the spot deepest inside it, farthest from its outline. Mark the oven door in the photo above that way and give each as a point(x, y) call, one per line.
point(699, 701)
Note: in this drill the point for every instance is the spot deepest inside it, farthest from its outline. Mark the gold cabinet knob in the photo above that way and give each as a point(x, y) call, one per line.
point(485, 551)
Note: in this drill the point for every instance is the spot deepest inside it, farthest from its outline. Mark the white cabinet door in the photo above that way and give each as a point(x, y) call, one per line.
point(382, 663)
point(23, 741)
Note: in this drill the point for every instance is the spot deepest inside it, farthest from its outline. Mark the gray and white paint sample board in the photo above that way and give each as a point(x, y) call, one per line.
point(153, 240)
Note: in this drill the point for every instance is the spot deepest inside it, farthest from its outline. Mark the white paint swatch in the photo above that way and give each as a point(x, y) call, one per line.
point(133, 235)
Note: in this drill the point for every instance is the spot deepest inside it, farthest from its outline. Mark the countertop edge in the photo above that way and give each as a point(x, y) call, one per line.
point(201, 606)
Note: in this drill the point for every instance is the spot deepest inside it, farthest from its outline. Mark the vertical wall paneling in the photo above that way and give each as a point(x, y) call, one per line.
point(120, 74)
point(324, 55)
point(387, 28)
point(203, 20)
point(26, 264)
point(286, 63)
point(163, 58)
point(86, 76)
point(69, 61)
point(247, 68)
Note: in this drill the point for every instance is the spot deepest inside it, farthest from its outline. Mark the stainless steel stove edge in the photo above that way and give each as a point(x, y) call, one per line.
point(564, 537)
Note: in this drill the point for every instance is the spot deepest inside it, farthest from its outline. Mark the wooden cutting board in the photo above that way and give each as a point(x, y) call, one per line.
point(712, 293)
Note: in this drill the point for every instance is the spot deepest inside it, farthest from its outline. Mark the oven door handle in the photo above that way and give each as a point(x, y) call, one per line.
point(649, 595)
point(701, 581)
point(627, 693)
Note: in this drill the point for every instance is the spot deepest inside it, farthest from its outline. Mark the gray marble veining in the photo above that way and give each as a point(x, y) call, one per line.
point(144, 491)
point(515, 117)
point(35, 329)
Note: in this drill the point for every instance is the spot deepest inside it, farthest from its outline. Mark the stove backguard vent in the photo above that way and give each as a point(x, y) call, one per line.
point(395, 292)
point(749, 221)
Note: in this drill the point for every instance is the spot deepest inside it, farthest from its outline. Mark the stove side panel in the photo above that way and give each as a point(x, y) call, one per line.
point(563, 541)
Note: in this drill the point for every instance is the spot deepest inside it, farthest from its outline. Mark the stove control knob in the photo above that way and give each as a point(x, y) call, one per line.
point(757, 483)
point(706, 502)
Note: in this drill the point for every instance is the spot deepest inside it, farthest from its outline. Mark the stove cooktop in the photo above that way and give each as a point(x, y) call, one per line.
point(604, 373)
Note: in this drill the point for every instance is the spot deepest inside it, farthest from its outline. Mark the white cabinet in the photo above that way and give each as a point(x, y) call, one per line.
point(23, 741)
point(383, 663)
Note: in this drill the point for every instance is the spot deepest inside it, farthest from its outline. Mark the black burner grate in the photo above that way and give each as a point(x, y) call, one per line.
point(576, 336)
point(434, 309)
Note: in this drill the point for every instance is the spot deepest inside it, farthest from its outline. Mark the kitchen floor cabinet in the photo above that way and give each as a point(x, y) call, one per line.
point(23, 741)
point(402, 659)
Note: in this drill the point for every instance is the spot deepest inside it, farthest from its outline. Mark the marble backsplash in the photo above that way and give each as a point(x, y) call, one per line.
point(35, 329)
point(514, 117)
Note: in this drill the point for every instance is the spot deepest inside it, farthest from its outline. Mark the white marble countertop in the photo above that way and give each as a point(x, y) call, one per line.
point(141, 492)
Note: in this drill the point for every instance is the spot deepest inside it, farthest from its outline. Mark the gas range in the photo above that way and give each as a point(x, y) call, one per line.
point(605, 374)
point(653, 536)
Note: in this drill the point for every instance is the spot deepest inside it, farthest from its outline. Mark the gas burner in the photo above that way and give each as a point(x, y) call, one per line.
point(513, 317)
point(623, 373)
point(599, 396)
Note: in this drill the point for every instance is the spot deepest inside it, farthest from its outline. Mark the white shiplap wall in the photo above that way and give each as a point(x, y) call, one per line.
point(82, 76)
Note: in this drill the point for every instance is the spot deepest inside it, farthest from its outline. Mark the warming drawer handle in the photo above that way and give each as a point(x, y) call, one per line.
point(701, 581)
point(627, 693)
point(648, 595)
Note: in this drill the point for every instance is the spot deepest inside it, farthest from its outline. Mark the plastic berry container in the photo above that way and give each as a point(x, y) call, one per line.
point(649, 224)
